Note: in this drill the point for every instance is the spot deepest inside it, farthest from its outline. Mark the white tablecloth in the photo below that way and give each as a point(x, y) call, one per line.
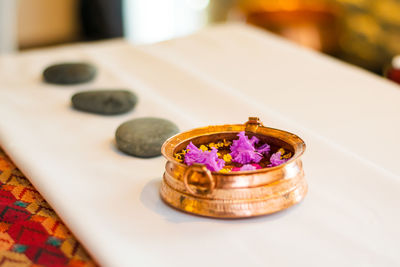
point(349, 119)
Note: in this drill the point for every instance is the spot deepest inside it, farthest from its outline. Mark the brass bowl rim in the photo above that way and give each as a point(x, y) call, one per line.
point(297, 143)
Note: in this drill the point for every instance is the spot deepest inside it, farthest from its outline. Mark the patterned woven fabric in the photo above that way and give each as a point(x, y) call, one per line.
point(31, 233)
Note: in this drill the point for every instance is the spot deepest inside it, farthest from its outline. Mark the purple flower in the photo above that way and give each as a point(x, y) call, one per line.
point(192, 154)
point(212, 161)
point(264, 149)
point(208, 158)
point(276, 160)
point(248, 167)
point(243, 151)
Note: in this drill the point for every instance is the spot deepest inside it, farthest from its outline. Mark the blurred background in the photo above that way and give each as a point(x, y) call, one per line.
point(365, 33)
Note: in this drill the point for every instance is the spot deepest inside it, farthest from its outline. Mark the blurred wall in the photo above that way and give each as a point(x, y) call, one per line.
point(47, 22)
point(8, 20)
point(149, 21)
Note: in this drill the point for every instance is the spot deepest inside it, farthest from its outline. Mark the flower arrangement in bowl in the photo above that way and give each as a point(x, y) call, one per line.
point(242, 154)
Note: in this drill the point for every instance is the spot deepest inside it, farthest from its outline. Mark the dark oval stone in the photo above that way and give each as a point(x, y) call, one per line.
point(144, 137)
point(107, 102)
point(69, 73)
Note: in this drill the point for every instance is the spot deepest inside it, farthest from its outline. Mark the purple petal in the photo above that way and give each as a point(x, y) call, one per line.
point(212, 161)
point(254, 140)
point(256, 166)
point(276, 160)
point(264, 149)
point(247, 156)
point(243, 151)
point(192, 155)
point(248, 167)
point(208, 158)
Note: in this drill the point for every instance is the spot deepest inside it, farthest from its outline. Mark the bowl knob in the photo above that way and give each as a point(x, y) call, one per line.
point(252, 124)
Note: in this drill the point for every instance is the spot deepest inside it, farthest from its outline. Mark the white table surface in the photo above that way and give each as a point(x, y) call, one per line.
point(349, 119)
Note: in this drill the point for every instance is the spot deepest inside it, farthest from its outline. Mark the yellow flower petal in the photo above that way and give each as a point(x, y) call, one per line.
point(225, 170)
point(203, 147)
point(227, 143)
point(287, 156)
point(227, 158)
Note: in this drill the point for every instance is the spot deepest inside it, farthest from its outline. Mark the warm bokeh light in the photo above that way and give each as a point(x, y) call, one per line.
point(172, 18)
point(362, 32)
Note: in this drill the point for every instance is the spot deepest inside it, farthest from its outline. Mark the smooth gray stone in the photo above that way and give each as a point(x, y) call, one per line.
point(106, 102)
point(69, 73)
point(144, 137)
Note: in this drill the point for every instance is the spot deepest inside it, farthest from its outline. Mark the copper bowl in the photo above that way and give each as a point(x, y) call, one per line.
point(239, 194)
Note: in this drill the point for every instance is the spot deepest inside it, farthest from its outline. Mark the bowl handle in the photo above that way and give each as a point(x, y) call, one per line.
point(203, 170)
point(252, 124)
